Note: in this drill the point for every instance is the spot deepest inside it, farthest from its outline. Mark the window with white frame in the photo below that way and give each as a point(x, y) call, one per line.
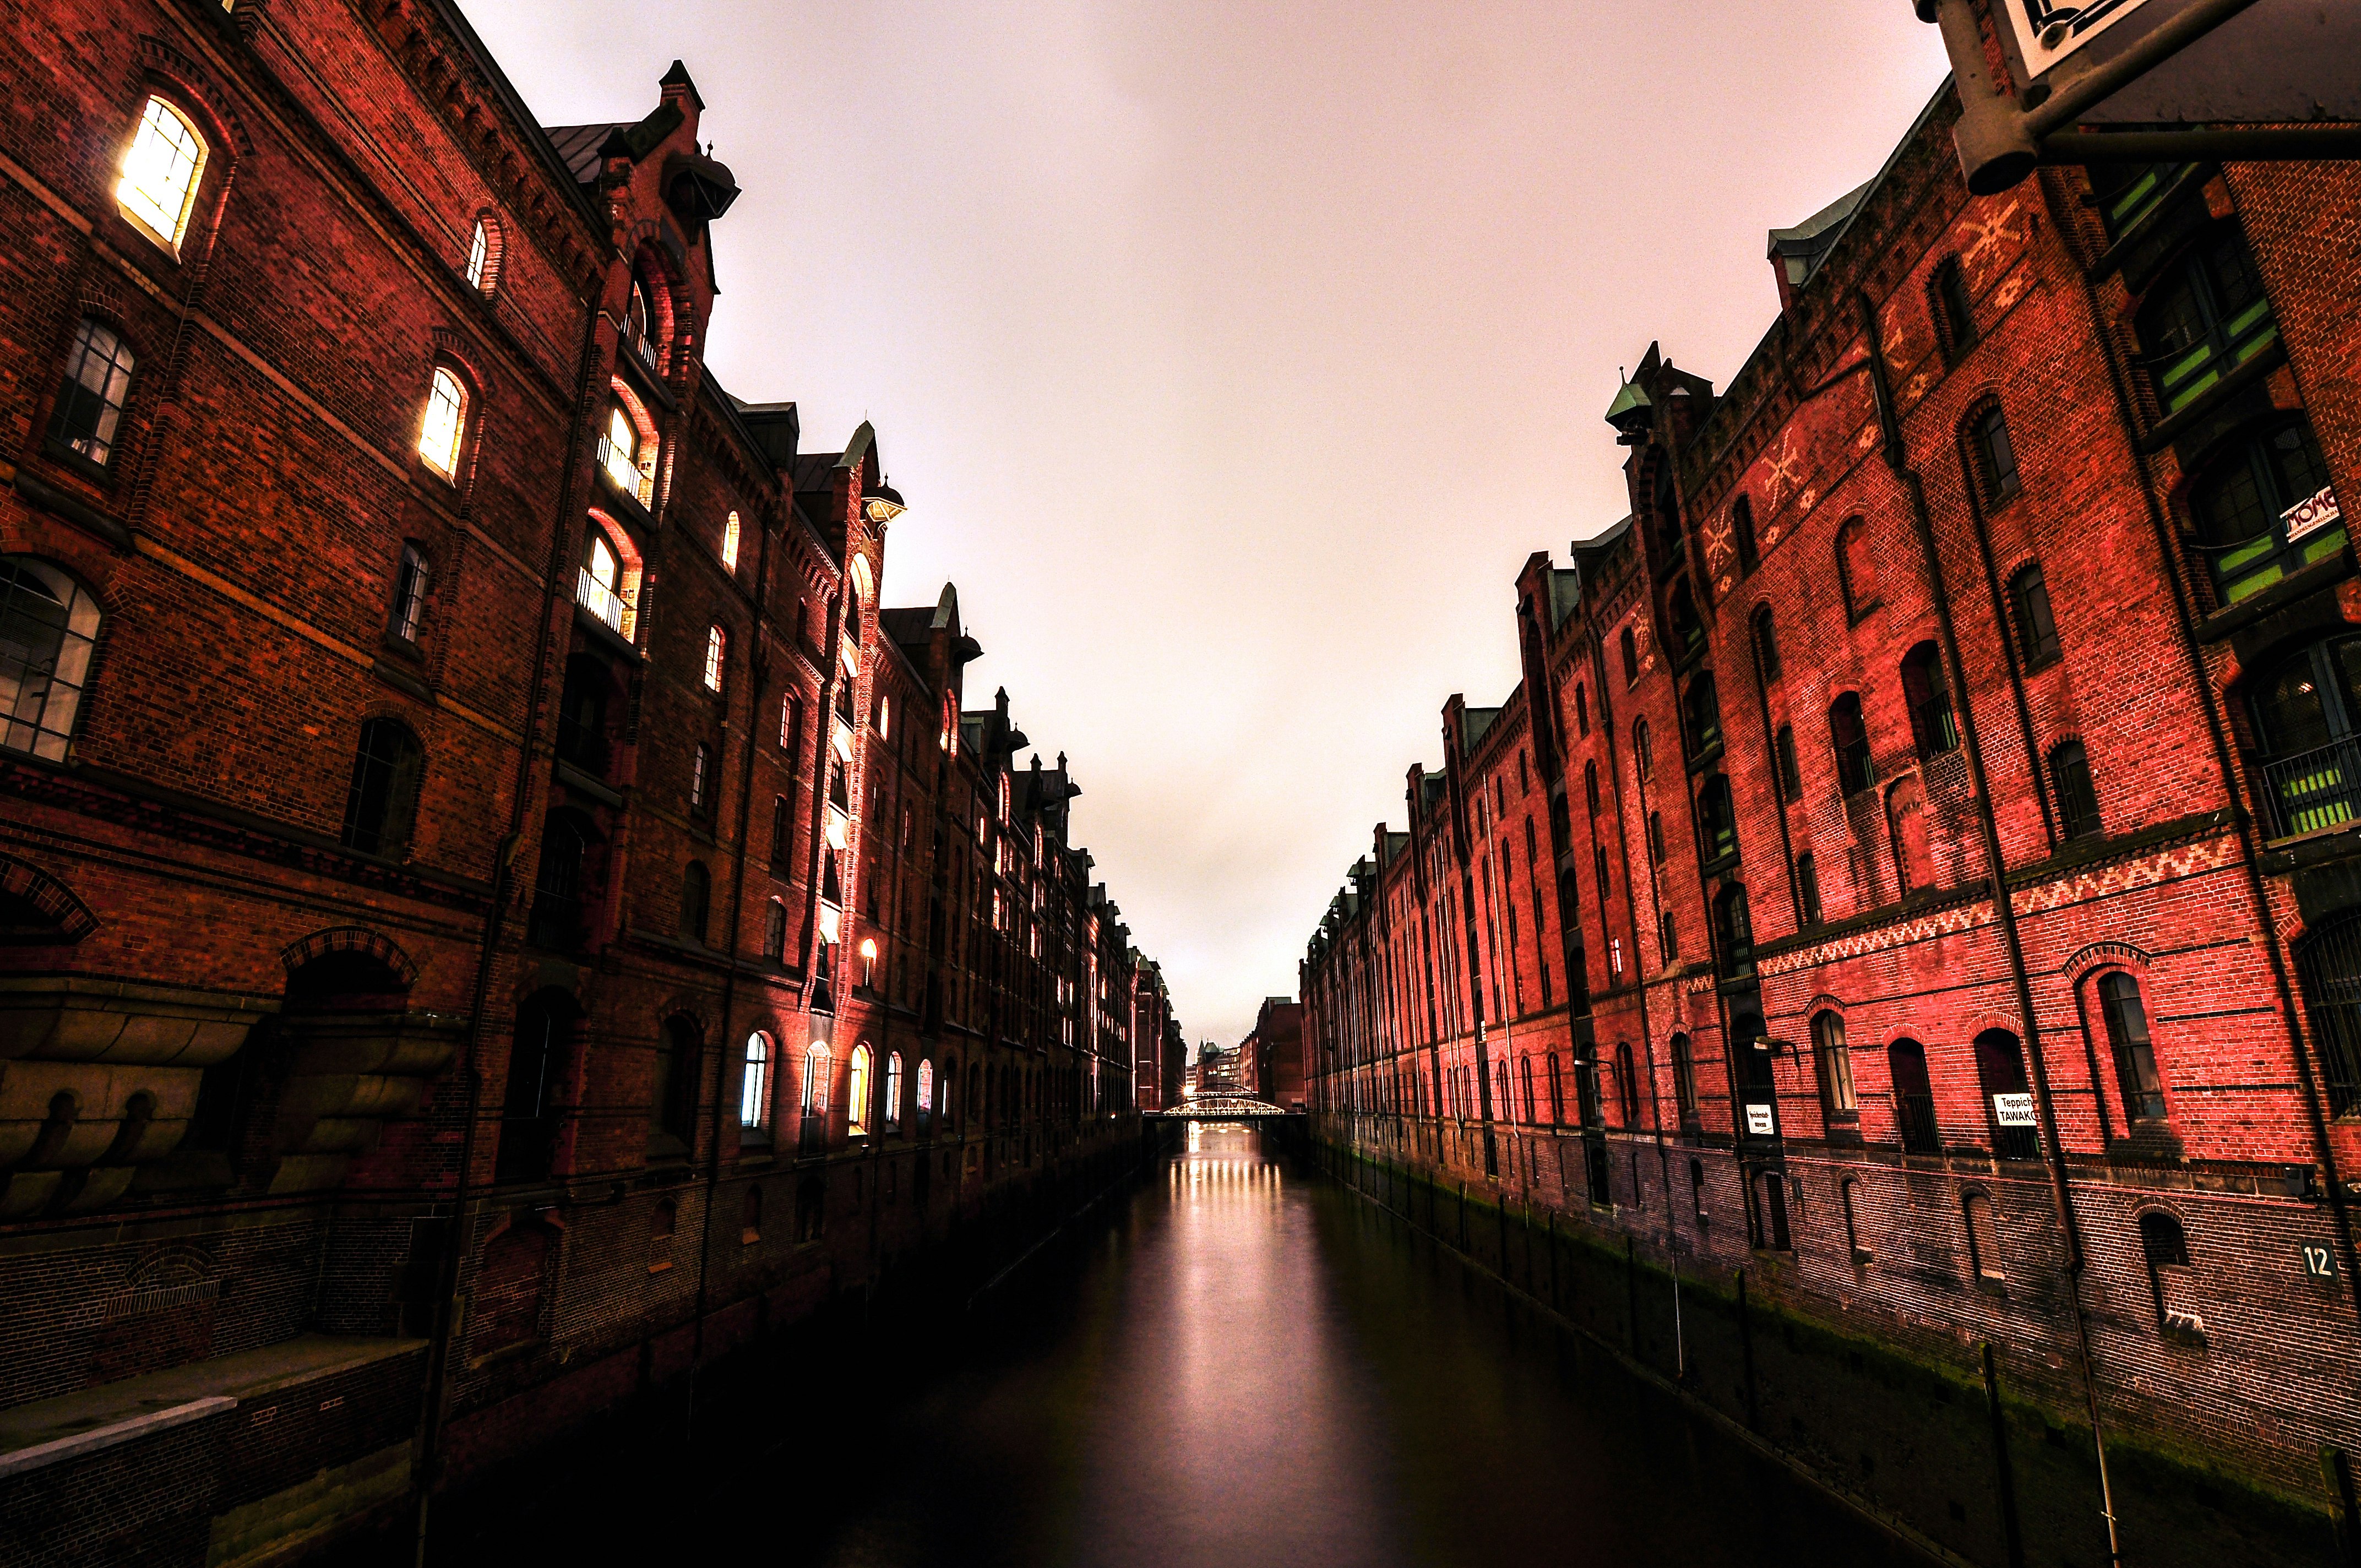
point(160, 172)
point(755, 1088)
point(49, 624)
point(479, 255)
point(447, 418)
point(90, 402)
point(717, 647)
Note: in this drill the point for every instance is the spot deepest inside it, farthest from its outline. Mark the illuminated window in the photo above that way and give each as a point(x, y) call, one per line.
point(90, 403)
point(884, 716)
point(159, 176)
point(729, 544)
point(446, 414)
point(815, 1065)
point(717, 643)
point(755, 1088)
point(926, 1094)
point(699, 785)
point(791, 725)
point(894, 1090)
point(618, 454)
point(856, 1102)
point(869, 960)
point(600, 586)
point(479, 254)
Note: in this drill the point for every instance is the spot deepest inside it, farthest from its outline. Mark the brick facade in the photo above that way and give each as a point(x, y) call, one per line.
point(491, 894)
point(1906, 895)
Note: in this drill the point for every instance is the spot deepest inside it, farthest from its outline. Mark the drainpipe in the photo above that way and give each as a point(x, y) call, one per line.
point(1897, 461)
point(455, 1245)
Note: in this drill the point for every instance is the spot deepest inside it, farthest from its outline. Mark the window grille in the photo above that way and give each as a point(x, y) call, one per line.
point(48, 627)
point(97, 381)
point(161, 171)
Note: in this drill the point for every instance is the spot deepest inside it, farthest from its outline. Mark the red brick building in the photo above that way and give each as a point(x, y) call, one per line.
point(1271, 1058)
point(496, 913)
point(1897, 947)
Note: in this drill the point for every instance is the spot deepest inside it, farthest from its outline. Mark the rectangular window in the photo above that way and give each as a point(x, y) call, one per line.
point(1998, 457)
point(409, 595)
point(90, 403)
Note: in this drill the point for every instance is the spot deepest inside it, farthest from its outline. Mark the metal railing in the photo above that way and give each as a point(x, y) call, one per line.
point(2315, 789)
point(1915, 1113)
point(599, 600)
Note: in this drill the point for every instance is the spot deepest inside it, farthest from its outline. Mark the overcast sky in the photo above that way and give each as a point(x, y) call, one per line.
point(1232, 357)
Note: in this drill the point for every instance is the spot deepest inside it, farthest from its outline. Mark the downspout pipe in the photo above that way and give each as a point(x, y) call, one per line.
point(1897, 455)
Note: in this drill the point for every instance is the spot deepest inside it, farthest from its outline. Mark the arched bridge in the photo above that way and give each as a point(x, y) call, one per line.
point(1222, 1108)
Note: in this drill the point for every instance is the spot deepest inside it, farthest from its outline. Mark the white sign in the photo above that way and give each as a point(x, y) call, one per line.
point(2312, 513)
point(2048, 30)
point(1758, 1121)
point(2013, 1110)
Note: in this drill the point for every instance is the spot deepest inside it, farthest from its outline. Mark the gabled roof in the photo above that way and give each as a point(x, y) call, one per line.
point(1478, 720)
point(578, 146)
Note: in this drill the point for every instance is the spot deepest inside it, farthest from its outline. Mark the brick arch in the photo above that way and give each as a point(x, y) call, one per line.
point(455, 352)
point(697, 1009)
point(349, 939)
point(2088, 960)
point(54, 900)
point(156, 60)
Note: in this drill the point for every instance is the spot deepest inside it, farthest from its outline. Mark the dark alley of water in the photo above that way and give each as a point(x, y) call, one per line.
point(1248, 1365)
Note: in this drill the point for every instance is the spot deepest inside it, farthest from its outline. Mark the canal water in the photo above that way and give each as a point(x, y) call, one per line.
point(1249, 1365)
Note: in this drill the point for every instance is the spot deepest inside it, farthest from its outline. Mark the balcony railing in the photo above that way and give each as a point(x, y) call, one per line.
point(599, 599)
point(2315, 789)
point(640, 343)
point(624, 473)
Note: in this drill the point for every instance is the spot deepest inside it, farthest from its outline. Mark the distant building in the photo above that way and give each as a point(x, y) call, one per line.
point(1271, 1057)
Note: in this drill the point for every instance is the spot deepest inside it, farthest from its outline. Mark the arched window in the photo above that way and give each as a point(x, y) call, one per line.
point(1856, 569)
point(750, 1224)
point(91, 399)
point(754, 1087)
point(1914, 1097)
point(598, 586)
point(160, 173)
point(2263, 508)
point(2070, 783)
point(625, 456)
point(1955, 318)
point(484, 247)
point(926, 1095)
point(1994, 454)
point(1532, 1108)
point(409, 612)
point(1850, 739)
point(1850, 1192)
point(1684, 1091)
point(2163, 1246)
point(856, 1093)
point(1688, 632)
point(1701, 715)
point(1630, 647)
point(2036, 629)
point(1782, 757)
point(1735, 931)
point(701, 783)
point(2206, 317)
point(1656, 838)
point(558, 892)
point(2308, 715)
point(729, 544)
point(1808, 911)
point(1906, 823)
point(382, 802)
point(672, 1096)
point(815, 1073)
point(1834, 1059)
point(1766, 646)
point(1581, 709)
point(641, 326)
point(2000, 1065)
point(48, 625)
point(1717, 820)
point(1929, 699)
point(716, 649)
point(791, 724)
point(696, 900)
point(892, 1111)
point(445, 422)
point(1983, 1238)
point(1556, 1090)
point(1644, 751)
point(1742, 534)
point(1627, 1085)
point(1590, 787)
point(1696, 1189)
point(2125, 1017)
point(775, 931)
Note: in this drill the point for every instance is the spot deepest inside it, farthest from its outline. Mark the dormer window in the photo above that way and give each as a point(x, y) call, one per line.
point(160, 173)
